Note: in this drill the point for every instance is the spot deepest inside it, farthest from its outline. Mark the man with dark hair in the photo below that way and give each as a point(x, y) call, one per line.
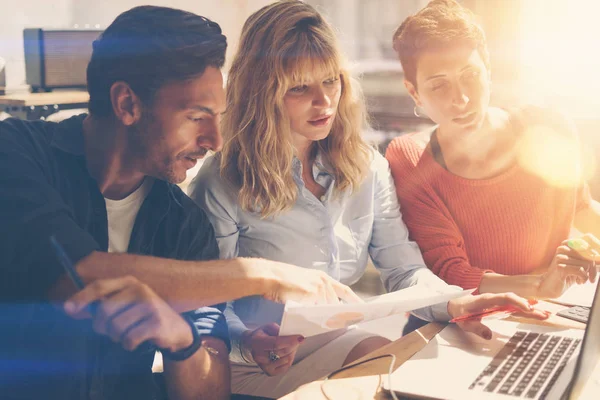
point(102, 187)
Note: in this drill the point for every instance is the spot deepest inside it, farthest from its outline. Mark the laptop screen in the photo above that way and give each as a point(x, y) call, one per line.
point(590, 350)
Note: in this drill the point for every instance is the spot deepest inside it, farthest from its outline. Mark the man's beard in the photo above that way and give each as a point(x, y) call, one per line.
point(146, 142)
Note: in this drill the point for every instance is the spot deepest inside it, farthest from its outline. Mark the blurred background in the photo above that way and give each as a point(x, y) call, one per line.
point(543, 52)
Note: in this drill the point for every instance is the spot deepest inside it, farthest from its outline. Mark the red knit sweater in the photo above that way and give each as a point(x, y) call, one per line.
point(510, 224)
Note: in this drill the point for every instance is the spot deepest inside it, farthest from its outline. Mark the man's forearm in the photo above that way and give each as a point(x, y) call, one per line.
point(522, 285)
point(205, 375)
point(185, 285)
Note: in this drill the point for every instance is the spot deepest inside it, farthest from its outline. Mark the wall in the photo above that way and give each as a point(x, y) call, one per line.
point(17, 15)
point(229, 14)
point(365, 27)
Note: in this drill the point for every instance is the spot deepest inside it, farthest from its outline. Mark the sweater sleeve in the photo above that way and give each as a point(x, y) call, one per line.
point(428, 219)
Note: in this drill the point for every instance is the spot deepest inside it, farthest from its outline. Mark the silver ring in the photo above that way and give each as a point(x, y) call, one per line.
point(273, 356)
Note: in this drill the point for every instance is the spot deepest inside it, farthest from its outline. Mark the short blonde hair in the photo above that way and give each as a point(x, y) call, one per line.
point(440, 24)
point(279, 45)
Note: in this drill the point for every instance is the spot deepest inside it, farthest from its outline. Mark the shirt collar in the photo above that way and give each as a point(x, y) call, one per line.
point(321, 166)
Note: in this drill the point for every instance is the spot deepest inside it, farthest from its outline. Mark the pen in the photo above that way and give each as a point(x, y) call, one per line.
point(67, 264)
point(76, 279)
point(498, 312)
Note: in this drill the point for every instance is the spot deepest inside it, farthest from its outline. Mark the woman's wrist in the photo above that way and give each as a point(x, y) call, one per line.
point(523, 285)
point(536, 284)
point(454, 310)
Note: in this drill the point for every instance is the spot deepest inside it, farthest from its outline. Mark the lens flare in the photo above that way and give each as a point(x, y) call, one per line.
point(555, 157)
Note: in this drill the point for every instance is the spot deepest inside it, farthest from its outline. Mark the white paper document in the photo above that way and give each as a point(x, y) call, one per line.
point(312, 320)
point(578, 295)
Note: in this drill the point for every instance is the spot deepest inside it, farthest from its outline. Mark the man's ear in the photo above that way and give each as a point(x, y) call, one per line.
point(413, 92)
point(126, 105)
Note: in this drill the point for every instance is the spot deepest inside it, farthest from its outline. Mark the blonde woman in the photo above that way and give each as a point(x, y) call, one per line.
point(295, 182)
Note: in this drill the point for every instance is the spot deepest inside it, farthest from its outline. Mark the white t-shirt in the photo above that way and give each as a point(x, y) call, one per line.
point(121, 217)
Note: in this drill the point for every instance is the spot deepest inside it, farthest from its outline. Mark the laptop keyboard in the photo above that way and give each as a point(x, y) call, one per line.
point(527, 366)
point(577, 313)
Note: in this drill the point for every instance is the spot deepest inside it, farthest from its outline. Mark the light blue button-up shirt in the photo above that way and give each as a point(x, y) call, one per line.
point(335, 234)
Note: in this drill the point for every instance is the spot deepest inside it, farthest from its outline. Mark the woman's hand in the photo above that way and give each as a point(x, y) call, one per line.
point(589, 251)
point(474, 304)
point(273, 354)
point(567, 268)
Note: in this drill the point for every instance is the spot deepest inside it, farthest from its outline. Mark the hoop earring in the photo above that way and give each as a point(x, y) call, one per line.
point(416, 112)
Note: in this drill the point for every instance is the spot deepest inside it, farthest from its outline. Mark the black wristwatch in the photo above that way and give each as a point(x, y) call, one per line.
point(189, 351)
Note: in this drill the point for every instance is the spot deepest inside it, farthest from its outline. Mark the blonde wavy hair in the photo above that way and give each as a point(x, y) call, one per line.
point(281, 45)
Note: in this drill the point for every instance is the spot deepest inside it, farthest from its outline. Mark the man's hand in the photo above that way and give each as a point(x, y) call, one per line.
point(263, 343)
point(474, 304)
point(130, 313)
point(286, 282)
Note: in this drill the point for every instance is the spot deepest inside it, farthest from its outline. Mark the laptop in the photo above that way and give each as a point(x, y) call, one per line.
point(522, 361)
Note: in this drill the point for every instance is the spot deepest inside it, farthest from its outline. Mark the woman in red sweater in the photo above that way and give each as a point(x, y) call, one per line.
point(481, 196)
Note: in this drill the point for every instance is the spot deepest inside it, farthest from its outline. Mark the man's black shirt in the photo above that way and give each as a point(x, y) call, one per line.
point(46, 189)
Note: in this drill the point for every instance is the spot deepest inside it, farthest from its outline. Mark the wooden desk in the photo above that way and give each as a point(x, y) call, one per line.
point(364, 382)
point(40, 105)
